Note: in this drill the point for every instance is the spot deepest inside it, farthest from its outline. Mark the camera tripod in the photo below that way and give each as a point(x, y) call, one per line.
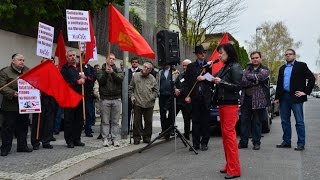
point(173, 128)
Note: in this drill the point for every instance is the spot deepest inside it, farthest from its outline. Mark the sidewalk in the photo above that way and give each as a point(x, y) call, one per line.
point(64, 163)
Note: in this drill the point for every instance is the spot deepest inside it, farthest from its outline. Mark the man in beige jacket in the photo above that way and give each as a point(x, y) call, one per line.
point(143, 91)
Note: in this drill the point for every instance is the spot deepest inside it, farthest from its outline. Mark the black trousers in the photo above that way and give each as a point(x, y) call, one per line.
point(186, 113)
point(129, 114)
point(73, 123)
point(14, 123)
point(47, 117)
point(200, 123)
point(166, 105)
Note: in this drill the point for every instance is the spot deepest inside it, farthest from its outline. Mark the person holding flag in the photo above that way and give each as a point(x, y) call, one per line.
point(14, 123)
point(73, 119)
point(200, 98)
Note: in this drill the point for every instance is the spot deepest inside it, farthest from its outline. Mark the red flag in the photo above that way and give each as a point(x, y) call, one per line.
point(121, 32)
point(215, 55)
point(47, 78)
point(61, 51)
point(90, 45)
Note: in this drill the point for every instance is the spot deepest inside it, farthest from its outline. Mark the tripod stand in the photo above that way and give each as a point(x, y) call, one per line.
point(169, 130)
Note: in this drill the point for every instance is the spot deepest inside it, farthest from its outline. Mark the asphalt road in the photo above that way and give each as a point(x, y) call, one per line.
point(164, 162)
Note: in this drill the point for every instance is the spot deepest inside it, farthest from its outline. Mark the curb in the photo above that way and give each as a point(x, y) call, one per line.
point(98, 161)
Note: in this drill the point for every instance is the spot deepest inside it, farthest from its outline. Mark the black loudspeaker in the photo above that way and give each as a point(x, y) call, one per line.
point(168, 48)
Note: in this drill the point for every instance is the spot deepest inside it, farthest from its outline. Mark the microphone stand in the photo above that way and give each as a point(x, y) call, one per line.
point(173, 128)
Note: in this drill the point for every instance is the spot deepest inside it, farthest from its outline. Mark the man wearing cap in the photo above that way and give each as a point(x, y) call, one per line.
point(200, 99)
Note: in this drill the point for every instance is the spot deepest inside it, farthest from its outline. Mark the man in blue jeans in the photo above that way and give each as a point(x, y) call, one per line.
point(295, 81)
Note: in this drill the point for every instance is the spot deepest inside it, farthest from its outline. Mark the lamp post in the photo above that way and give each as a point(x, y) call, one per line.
point(257, 29)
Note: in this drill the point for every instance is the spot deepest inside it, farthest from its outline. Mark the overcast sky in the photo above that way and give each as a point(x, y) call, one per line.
point(300, 16)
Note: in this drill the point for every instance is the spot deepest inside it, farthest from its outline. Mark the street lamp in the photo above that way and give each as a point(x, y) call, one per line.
point(257, 29)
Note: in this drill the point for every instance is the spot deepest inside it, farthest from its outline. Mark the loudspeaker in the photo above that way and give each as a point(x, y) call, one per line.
point(168, 48)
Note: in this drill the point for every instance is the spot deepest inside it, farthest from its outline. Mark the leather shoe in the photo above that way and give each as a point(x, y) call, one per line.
point(256, 147)
point(26, 149)
point(136, 142)
point(78, 143)
point(47, 146)
point(195, 147)
point(146, 141)
point(53, 139)
point(299, 148)
point(70, 145)
point(35, 148)
point(99, 137)
point(204, 147)
point(242, 146)
point(283, 145)
point(223, 171)
point(230, 176)
point(89, 134)
point(4, 153)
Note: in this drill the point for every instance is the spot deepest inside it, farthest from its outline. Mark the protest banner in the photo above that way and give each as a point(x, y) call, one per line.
point(78, 25)
point(28, 98)
point(45, 40)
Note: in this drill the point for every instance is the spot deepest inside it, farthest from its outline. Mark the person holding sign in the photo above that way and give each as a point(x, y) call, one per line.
point(14, 123)
point(73, 119)
point(49, 108)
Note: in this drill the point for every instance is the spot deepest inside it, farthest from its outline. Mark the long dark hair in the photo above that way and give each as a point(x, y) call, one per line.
point(229, 49)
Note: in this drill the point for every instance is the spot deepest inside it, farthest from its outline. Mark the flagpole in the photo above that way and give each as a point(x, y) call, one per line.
point(38, 127)
point(82, 86)
point(8, 84)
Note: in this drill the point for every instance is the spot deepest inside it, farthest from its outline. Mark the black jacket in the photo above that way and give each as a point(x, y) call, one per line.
point(71, 75)
point(193, 71)
point(227, 91)
point(298, 82)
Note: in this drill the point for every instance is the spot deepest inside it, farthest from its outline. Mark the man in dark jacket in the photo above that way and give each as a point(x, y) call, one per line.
point(110, 86)
point(90, 74)
point(14, 123)
point(200, 99)
point(295, 81)
point(134, 69)
point(180, 93)
point(73, 117)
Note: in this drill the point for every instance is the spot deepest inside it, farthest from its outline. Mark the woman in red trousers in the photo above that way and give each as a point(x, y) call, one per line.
point(227, 82)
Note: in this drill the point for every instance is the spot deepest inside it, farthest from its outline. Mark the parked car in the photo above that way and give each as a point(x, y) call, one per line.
point(273, 110)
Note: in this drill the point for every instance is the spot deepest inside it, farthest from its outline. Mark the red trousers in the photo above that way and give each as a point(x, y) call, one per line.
point(228, 119)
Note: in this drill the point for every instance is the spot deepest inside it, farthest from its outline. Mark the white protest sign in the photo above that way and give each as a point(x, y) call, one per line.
point(95, 53)
point(78, 25)
point(45, 40)
point(28, 98)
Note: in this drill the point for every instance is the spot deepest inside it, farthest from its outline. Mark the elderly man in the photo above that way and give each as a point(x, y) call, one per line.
point(14, 123)
point(143, 91)
point(73, 117)
point(180, 93)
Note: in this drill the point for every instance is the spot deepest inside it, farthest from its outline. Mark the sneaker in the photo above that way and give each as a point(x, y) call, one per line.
point(106, 143)
point(116, 144)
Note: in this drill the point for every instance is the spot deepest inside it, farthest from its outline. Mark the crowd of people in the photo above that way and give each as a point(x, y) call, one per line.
point(190, 92)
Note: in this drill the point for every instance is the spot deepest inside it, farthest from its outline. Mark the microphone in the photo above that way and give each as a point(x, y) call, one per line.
point(210, 63)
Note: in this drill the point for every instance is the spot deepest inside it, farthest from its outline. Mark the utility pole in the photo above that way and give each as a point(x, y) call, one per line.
point(124, 119)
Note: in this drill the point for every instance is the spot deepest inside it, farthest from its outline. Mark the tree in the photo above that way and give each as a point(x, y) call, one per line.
point(26, 14)
point(195, 18)
point(273, 40)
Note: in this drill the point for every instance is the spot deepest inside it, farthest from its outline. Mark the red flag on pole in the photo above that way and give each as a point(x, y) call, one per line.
point(121, 32)
point(47, 78)
point(215, 55)
point(61, 51)
point(90, 45)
